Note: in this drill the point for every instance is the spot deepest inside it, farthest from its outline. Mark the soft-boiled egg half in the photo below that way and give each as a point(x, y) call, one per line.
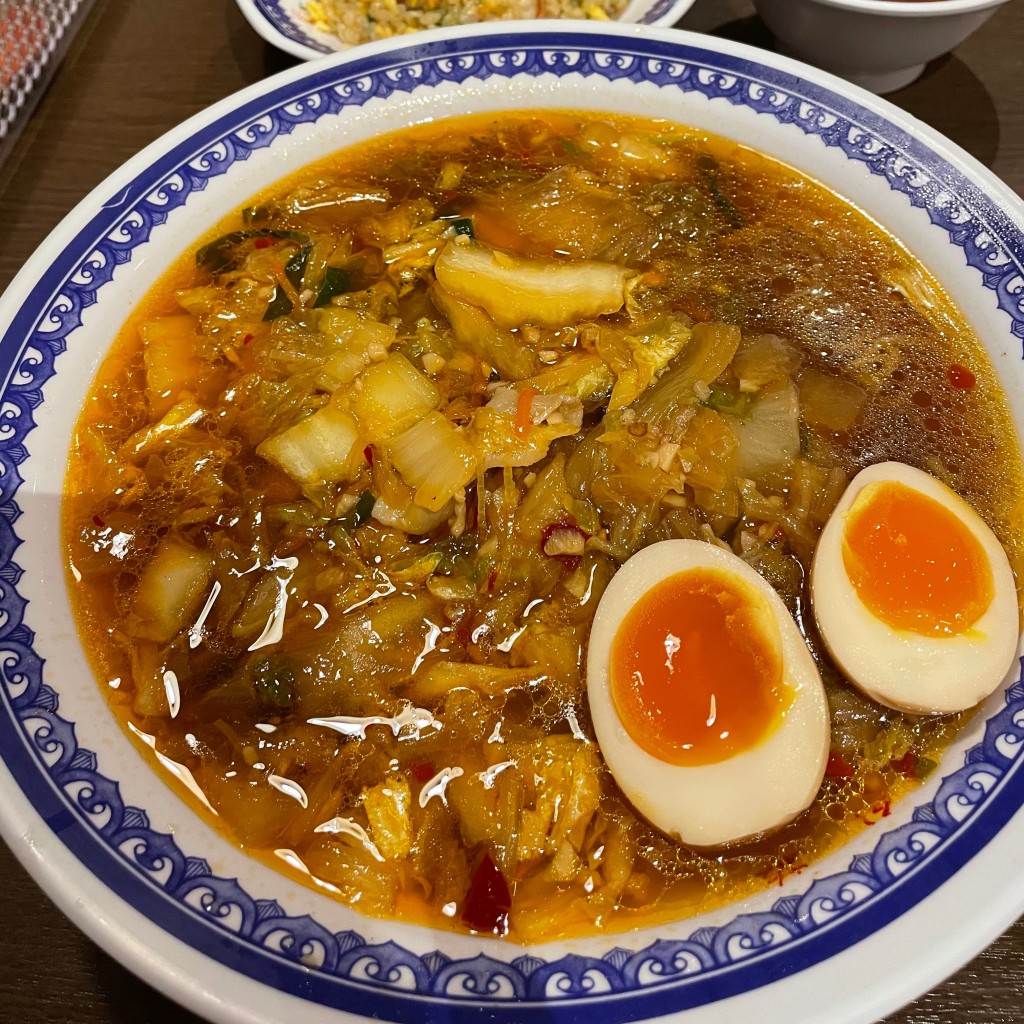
point(707, 705)
point(913, 594)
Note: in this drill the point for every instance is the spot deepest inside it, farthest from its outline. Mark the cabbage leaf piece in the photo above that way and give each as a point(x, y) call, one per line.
point(170, 589)
point(568, 211)
point(585, 376)
point(639, 353)
point(770, 435)
point(387, 807)
point(698, 365)
point(517, 290)
point(517, 426)
point(473, 328)
point(317, 451)
point(435, 458)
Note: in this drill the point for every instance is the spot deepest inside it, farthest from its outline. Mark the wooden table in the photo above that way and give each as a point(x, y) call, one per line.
point(138, 68)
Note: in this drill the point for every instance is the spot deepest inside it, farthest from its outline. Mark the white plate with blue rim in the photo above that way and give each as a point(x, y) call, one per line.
point(287, 24)
point(862, 931)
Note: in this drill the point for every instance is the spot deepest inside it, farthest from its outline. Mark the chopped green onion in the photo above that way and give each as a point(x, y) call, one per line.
point(273, 682)
point(280, 304)
point(359, 513)
point(729, 401)
point(709, 165)
point(462, 226)
point(337, 281)
point(223, 253)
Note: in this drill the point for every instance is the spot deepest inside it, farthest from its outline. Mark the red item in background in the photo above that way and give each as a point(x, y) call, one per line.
point(23, 34)
point(34, 35)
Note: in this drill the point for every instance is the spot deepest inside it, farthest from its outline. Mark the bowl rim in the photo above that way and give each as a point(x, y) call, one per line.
point(269, 21)
point(111, 931)
point(910, 9)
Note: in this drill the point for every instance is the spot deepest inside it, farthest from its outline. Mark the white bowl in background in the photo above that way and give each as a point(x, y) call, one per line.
point(881, 45)
point(860, 932)
point(284, 24)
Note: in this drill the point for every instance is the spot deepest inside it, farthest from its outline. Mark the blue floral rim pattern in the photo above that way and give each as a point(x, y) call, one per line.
point(256, 936)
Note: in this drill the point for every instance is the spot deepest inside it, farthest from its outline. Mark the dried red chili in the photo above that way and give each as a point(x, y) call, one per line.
point(906, 765)
point(838, 767)
point(564, 542)
point(961, 377)
point(488, 900)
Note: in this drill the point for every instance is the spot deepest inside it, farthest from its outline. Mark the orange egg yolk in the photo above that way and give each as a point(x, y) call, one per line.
point(914, 563)
point(696, 669)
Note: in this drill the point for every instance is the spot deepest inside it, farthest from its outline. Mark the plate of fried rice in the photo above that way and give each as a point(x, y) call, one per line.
point(314, 28)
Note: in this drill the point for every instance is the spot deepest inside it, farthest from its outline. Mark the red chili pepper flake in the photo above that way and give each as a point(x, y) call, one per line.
point(263, 242)
point(368, 454)
point(492, 580)
point(564, 542)
point(248, 339)
point(878, 810)
point(778, 876)
point(99, 522)
point(423, 772)
point(906, 765)
point(961, 377)
point(524, 410)
point(488, 900)
point(838, 767)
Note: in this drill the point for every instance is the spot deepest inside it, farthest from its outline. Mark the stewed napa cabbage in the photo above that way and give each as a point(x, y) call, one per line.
point(345, 495)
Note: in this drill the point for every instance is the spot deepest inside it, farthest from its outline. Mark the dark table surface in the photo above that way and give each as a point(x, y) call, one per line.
point(134, 70)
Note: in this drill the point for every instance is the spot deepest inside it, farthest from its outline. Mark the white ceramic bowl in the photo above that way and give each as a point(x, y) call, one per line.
point(882, 45)
point(284, 24)
point(860, 932)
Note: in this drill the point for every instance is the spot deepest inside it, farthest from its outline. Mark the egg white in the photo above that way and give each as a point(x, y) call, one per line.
point(898, 668)
point(749, 793)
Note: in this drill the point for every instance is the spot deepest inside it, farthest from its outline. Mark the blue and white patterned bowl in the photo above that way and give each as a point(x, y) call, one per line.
point(861, 931)
point(284, 24)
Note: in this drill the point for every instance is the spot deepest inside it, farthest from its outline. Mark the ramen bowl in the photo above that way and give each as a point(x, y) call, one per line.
point(287, 24)
point(234, 940)
point(881, 45)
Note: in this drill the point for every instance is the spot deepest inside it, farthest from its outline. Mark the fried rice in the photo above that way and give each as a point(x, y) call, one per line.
point(361, 21)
